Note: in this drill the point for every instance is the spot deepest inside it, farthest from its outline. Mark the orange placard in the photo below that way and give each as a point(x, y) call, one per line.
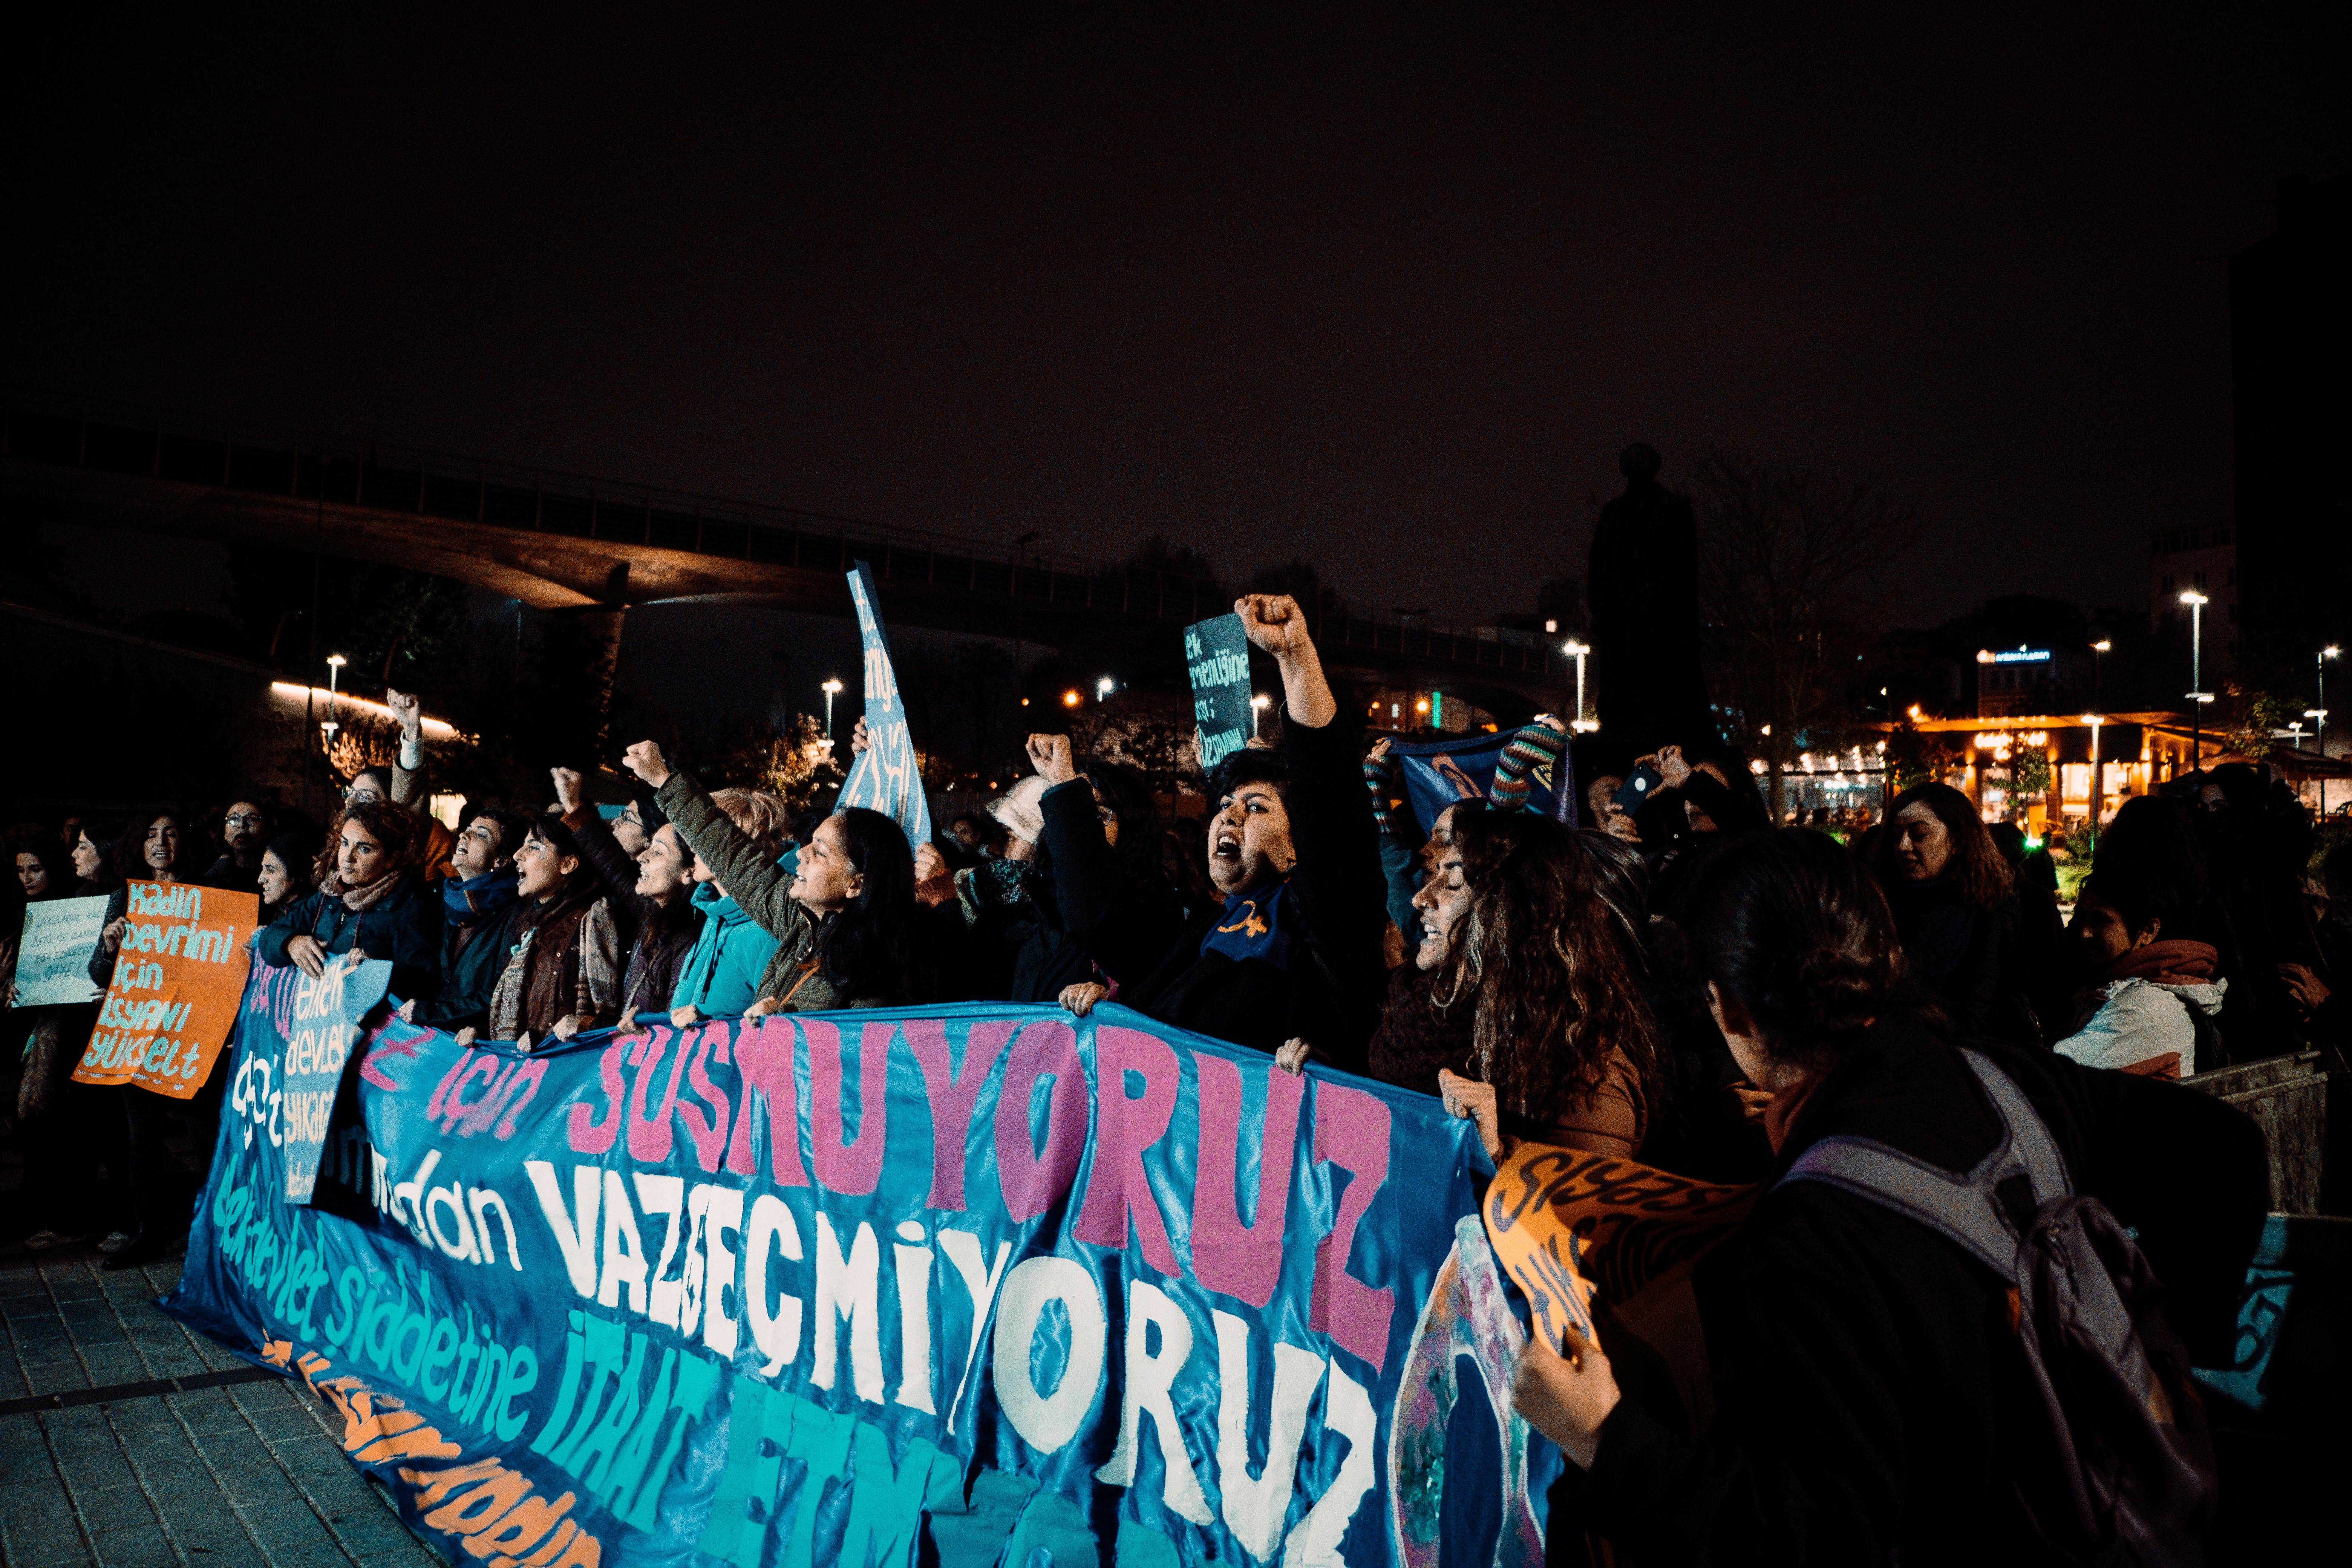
point(178, 977)
point(1570, 1228)
point(1538, 1251)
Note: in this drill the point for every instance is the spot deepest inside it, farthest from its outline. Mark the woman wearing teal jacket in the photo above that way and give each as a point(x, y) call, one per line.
point(720, 977)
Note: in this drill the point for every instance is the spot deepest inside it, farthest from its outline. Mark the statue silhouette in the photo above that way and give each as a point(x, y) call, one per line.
point(1644, 594)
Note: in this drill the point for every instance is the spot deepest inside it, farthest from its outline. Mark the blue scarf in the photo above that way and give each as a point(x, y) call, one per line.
point(463, 902)
point(1251, 927)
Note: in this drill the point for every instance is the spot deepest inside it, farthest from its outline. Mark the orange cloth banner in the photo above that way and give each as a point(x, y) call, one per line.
point(1607, 1246)
point(178, 978)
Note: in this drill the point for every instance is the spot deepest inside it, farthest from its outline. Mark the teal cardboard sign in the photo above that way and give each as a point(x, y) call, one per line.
point(1216, 655)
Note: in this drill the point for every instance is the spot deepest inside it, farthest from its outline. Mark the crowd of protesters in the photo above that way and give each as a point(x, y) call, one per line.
point(1679, 982)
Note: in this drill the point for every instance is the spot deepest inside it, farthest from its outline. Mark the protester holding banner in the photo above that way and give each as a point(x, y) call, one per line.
point(649, 884)
point(1877, 1404)
point(1295, 953)
point(1526, 967)
point(1091, 903)
point(721, 974)
point(1401, 840)
point(1537, 752)
point(669, 923)
point(478, 916)
point(563, 974)
point(844, 922)
point(56, 1204)
point(153, 848)
point(374, 902)
point(65, 1126)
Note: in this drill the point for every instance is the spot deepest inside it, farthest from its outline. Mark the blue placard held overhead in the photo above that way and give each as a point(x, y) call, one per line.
point(1216, 655)
point(885, 777)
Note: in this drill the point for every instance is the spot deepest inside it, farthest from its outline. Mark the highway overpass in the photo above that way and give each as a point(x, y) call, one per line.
point(567, 543)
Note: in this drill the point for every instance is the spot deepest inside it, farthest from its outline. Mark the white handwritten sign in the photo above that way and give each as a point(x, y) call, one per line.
point(886, 777)
point(53, 961)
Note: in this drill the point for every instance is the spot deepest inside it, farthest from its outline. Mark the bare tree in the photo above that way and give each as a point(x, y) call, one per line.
point(1793, 566)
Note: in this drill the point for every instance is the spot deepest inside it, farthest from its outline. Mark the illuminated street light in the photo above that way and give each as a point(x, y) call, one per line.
point(2319, 741)
point(1577, 650)
point(2197, 694)
point(1258, 705)
point(1104, 687)
point(335, 663)
point(831, 689)
point(1070, 699)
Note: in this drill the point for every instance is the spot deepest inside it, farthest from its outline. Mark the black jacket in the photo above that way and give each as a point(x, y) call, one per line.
point(229, 877)
point(1873, 1397)
point(1330, 993)
point(1088, 911)
point(404, 926)
point(613, 869)
point(1974, 961)
point(474, 953)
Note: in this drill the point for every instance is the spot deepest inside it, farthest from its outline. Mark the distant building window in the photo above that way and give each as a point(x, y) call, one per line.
point(2201, 579)
point(2167, 584)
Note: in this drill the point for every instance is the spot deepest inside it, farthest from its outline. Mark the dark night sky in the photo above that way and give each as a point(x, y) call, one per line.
point(1386, 291)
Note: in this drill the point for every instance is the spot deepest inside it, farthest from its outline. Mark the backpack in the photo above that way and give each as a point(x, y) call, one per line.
point(2128, 1476)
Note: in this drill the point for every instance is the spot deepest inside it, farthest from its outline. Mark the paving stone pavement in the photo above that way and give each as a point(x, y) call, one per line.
point(249, 1473)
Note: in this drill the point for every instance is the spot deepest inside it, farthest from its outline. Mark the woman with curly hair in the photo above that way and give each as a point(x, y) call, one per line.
point(1956, 907)
point(371, 900)
point(1526, 970)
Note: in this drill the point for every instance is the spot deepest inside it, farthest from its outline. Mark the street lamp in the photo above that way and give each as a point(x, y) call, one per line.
point(2096, 717)
point(1104, 687)
point(831, 689)
point(2198, 694)
point(1257, 706)
point(1578, 650)
point(335, 663)
point(2319, 716)
point(2098, 777)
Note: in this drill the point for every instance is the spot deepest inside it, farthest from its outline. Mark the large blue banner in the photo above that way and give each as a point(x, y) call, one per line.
point(823, 1287)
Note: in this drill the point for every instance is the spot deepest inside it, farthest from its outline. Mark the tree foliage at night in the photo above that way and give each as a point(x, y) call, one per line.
point(1792, 575)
